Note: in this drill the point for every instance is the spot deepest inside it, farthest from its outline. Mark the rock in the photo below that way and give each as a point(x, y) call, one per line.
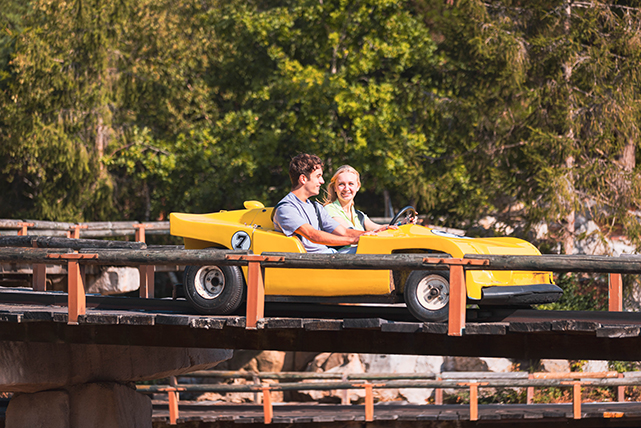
point(114, 280)
point(381, 363)
point(498, 365)
point(464, 364)
point(331, 363)
point(298, 361)
point(596, 366)
point(555, 366)
point(268, 361)
point(255, 361)
point(326, 361)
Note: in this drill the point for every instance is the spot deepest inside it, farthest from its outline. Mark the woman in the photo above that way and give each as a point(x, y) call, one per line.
point(339, 201)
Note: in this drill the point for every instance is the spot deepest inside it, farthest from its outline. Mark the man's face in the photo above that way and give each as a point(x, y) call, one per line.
point(313, 184)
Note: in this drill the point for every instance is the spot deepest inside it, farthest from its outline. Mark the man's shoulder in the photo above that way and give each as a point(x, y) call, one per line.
point(288, 200)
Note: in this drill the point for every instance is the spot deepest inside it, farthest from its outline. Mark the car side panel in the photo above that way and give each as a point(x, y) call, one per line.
point(314, 282)
point(411, 237)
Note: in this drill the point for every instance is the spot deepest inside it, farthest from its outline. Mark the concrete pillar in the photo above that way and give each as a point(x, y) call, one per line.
point(90, 405)
point(85, 386)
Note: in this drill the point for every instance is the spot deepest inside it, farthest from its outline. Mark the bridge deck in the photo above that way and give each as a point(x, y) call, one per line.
point(29, 316)
point(208, 414)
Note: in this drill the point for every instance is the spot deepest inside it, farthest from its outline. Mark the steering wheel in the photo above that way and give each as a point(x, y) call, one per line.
point(407, 211)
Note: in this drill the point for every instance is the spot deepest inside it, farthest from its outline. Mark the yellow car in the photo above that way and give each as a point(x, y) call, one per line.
point(220, 289)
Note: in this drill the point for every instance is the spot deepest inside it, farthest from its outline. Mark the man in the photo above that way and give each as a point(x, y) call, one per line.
point(297, 215)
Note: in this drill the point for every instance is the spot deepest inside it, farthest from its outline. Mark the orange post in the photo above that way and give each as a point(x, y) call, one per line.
point(530, 391)
point(23, 228)
point(76, 303)
point(268, 410)
point(458, 297)
point(458, 292)
point(474, 401)
point(74, 231)
point(369, 402)
point(173, 405)
point(76, 292)
point(140, 232)
point(438, 393)
point(576, 399)
point(147, 273)
point(615, 293)
point(620, 390)
point(39, 275)
point(255, 294)
point(255, 285)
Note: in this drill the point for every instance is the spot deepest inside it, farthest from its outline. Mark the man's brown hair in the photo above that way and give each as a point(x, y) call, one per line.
point(303, 164)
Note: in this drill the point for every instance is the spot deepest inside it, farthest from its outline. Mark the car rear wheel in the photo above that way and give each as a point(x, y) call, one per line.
point(214, 290)
point(427, 295)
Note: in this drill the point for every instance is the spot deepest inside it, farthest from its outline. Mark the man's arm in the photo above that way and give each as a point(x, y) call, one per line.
point(340, 236)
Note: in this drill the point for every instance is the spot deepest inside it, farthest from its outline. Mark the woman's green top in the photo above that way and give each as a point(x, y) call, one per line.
point(334, 209)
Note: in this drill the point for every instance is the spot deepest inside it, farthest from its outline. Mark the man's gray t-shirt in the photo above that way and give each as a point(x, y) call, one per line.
point(292, 213)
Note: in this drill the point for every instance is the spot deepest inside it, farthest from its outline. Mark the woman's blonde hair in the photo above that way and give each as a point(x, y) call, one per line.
point(330, 193)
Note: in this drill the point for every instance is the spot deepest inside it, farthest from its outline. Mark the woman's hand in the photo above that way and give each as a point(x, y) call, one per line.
point(381, 229)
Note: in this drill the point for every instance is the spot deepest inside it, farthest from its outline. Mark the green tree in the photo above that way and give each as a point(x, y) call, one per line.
point(55, 111)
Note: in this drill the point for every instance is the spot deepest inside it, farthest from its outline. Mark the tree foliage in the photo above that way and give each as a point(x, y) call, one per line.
point(525, 111)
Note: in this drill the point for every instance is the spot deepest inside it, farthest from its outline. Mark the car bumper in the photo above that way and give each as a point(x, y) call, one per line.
point(520, 294)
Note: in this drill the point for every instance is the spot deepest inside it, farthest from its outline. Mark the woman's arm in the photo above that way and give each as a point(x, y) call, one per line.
point(342, 222)
point(370, 225)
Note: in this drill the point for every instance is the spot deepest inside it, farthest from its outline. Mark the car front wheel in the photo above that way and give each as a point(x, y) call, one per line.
point(427, 295)
point(214, 290)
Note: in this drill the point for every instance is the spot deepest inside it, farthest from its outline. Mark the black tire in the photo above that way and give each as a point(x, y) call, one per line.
point(214, 290)
point(427, 295)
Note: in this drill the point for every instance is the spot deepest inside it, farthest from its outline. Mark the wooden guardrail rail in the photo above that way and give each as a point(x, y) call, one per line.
point(451, 380)
point(103, 229)
point(257, 263)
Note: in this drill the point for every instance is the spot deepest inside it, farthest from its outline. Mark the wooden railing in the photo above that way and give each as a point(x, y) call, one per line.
point(104, 229)
point(473, 381)
point(257, 263)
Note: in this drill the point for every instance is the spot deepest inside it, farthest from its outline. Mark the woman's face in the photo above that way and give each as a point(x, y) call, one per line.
point(346, 186)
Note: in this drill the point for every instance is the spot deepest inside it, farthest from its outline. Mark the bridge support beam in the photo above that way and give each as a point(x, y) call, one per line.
point(77, 385)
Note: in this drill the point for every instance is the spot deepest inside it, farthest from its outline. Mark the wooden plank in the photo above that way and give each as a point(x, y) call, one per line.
point(165, 319)
point(364, 323)
point(572, 325)
point(494, 416)
point(75, 244)
point(207, 323)
point(17, 318)
point(530, 327)
point(98, 318)
point(434, 327)
point(324, 325)
point(448, 416)
point(61, 317)
point(427, 417)
point(486, 328)
point(618, 331)
point(138, 319)
point(35, 316)
point(401, 327)
point(277, 323)
point(236, 322)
